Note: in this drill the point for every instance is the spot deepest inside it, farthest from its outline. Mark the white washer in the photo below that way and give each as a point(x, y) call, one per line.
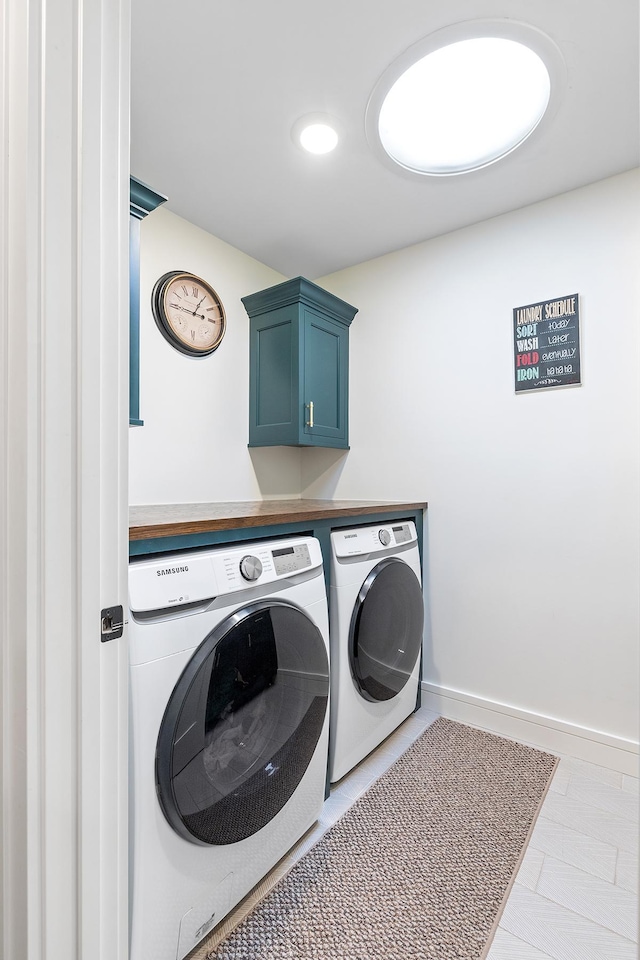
point(229, 651)
point(376, 627)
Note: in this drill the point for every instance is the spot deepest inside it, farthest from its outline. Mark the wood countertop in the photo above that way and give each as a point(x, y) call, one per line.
point(171, 520)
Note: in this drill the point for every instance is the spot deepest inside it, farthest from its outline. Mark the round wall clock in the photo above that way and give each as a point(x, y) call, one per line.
point(188, 313)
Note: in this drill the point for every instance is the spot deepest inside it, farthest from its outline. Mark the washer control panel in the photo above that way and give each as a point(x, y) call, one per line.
point(193, 576)
point(362, 540)
point(291, 559)
point(265, 562)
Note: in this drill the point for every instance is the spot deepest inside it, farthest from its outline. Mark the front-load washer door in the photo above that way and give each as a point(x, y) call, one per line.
point(242, 723)
point(385, 637)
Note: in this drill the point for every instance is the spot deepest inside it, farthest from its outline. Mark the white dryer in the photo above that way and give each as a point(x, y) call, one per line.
point(229, 664)
point(376, 628)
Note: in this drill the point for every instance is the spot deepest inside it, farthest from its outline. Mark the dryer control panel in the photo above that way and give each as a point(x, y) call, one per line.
point(377, 539)
point(197, 575)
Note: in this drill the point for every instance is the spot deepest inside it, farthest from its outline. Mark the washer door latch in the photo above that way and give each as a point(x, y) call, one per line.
point(111, 623)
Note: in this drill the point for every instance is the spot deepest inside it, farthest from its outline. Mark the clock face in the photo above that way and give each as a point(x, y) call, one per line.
point(189, 313)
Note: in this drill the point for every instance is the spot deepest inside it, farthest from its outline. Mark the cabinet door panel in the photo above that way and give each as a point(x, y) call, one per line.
point(274, 417)
point(274, 388)
point(325, 368)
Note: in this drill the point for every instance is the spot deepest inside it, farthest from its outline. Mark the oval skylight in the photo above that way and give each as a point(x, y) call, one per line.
point(464, 105)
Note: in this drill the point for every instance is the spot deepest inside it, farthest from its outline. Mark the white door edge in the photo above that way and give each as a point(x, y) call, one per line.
point(64, 211)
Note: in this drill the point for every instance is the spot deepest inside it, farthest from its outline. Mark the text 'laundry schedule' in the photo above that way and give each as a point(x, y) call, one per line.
point(546, 343)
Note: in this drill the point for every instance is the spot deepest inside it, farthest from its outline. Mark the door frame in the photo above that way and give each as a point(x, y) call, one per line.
point(64, 215)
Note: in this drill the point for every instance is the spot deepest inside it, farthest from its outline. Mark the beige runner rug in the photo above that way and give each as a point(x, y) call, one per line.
point(418, 868)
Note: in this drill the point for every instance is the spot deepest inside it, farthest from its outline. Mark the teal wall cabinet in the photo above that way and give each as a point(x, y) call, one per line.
point(142, 200)
point(299, 366)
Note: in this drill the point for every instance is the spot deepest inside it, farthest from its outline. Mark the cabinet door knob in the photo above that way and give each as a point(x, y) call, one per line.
point(310, 420)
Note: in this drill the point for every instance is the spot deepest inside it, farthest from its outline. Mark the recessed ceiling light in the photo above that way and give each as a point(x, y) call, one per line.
point(450, 106)
point(319, 138)
point(316, 133)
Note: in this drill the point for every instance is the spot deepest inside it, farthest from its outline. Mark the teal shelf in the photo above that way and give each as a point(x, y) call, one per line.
point(142, 201)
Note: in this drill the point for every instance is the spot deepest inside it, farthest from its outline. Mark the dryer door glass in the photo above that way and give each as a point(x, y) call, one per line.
point(386, 630)
point(242, 723)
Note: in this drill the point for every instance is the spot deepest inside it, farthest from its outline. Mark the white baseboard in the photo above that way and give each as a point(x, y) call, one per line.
point(547, 733)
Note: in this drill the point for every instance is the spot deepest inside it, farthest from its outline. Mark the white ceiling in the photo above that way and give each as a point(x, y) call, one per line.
point(218, 84)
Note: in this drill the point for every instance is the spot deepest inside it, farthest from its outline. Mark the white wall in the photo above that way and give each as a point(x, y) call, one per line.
point(533, 499)
point(193, 445)
point(532, 538)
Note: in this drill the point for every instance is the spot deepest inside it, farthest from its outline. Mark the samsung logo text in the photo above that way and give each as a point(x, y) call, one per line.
point(171, 570)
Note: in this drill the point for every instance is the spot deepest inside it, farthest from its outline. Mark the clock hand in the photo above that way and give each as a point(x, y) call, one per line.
point(200, 316)
point(198, 304)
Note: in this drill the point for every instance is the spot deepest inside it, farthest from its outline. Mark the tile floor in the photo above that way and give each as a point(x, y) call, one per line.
point(576, 894)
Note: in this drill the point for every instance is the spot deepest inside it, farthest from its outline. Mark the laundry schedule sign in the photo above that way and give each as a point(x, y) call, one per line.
point(546, 343)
